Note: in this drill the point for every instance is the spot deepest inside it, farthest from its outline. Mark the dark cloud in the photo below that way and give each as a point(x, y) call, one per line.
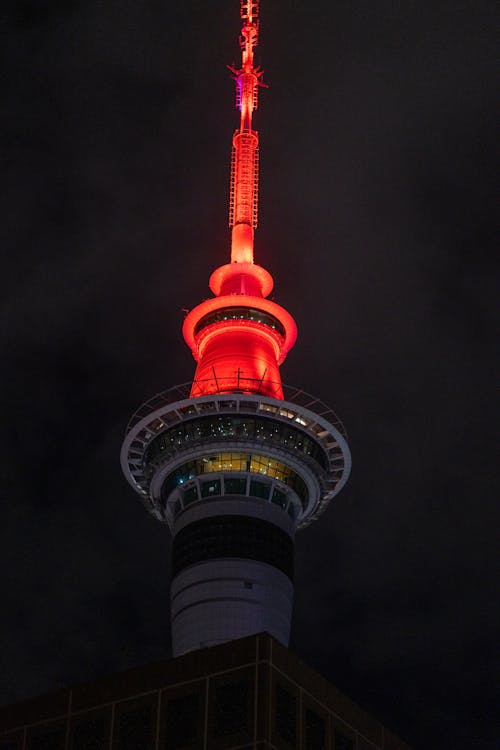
point(377, 222)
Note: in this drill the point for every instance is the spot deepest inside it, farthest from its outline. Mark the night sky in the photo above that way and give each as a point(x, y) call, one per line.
point(377, 223)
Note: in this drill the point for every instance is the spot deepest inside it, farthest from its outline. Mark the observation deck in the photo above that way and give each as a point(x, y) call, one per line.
point(234, 473)
point(181, 450)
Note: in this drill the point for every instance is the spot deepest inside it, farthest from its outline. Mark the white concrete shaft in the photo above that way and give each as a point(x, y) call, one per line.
point(225, 599)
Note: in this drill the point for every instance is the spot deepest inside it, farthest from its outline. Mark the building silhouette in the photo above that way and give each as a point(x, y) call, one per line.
point(250, 694)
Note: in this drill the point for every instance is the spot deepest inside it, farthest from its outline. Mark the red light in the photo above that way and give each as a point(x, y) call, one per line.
point(241, 353)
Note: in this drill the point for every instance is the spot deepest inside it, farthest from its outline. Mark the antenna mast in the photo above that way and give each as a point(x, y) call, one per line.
point(243, 200)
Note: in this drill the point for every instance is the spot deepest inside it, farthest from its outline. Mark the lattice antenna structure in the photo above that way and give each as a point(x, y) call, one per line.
point(244, 180)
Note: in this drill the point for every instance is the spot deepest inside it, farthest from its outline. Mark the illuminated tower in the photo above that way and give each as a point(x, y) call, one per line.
point(235, 462)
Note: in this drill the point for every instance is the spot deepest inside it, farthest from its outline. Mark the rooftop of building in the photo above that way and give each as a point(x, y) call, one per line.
point(283, 703)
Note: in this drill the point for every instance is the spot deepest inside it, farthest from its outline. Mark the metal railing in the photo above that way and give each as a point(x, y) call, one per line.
point(291, 395)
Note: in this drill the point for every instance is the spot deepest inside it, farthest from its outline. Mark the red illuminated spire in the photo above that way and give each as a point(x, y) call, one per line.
point(239, 338)
point(243, 201)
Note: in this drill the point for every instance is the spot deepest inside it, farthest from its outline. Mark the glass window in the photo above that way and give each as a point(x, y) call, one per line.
point(260, 489)
point(208, 406)
point(187, 409)
point(210, 488)
point(235, 485)
point(315, 731)
point(231, 426)
point(46, 738)
point(255, 463)
point(342, 742)
point(279, 498)
point(90, 735)
point(286, 715)
point(135, 729)
point(240, 313)
point(190, 494)
point(268, 407)
point(11, 744)
point(231, 708)
point(250, 405)
point(228, 404)
point(181, 721)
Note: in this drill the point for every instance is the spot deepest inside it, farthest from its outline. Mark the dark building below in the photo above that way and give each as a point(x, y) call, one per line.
point(251, 694)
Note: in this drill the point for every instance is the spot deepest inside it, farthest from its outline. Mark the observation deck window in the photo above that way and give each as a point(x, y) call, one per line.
point(241, 313)
point(229, 462)
point(211, 488)
point(206, 406)
point(187, 410)
point(190, 494)
point(260, 489)
point(239, 427)
point(268, 407)
point(248, 406)
point(279, 498)
point(228, 404)
point(235, 485)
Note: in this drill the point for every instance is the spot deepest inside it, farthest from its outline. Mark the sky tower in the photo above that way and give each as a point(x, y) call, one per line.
point(235, 462)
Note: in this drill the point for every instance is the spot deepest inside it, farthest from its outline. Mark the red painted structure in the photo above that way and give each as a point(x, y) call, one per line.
point(239, 338)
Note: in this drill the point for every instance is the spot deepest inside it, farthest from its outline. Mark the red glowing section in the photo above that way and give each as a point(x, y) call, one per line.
point(244, 312)
point(255, 355)
point(241, 278)
point(239, 338)
point(243, 201)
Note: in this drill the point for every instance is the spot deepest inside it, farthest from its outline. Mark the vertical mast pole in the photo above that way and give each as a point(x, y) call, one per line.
point(243, 201)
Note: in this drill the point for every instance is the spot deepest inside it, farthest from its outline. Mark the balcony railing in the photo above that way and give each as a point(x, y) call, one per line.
point(291, 394)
